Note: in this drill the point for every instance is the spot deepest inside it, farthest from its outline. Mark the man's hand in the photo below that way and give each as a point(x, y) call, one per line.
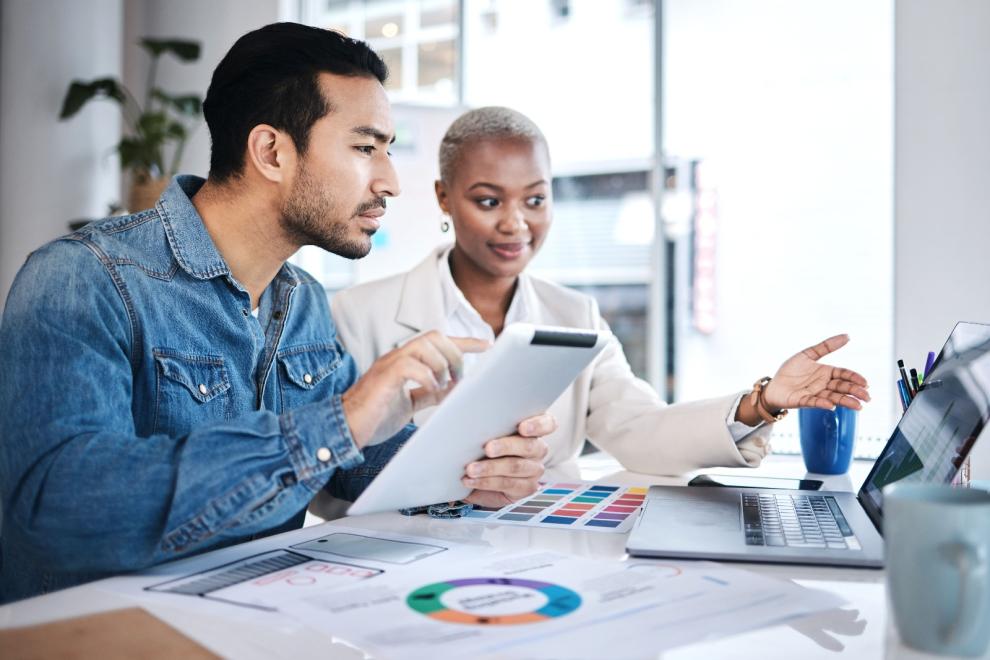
point(379, 404)
point(513, 465)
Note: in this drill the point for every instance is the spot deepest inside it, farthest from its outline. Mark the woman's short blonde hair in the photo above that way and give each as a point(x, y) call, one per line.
point(488, 123)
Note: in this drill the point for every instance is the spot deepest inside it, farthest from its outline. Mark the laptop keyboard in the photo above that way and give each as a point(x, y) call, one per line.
point(796, 521)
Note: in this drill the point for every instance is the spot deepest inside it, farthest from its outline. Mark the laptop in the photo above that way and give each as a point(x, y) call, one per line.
point(831, 528)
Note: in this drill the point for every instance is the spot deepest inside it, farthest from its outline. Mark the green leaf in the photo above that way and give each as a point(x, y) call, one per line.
point(175, 131)
point(187, 51)
point(189, 105)
point(152, 125)
point(80, 92)
point(135, 153)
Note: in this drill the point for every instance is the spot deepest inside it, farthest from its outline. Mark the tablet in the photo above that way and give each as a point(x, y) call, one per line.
point(526, 370)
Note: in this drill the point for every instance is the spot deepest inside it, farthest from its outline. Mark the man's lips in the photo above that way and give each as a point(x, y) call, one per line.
point(369, 219)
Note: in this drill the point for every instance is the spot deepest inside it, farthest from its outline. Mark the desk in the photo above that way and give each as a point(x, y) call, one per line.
point(861, 629)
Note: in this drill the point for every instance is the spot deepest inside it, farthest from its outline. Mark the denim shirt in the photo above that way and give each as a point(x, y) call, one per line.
point(147, 414)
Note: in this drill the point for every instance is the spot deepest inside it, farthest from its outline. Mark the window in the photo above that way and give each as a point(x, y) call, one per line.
point(416, 38)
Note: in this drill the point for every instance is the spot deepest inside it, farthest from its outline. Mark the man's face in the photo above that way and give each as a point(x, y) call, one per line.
point(338, 192)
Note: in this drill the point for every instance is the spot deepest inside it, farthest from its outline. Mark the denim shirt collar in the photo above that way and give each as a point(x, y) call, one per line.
point(191, 244)
point(187, 236)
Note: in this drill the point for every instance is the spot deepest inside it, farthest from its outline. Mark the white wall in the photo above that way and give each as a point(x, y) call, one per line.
point(586, 81)
point(792, 105)
point(942, 175)
point(217, 24)
point(52, 172)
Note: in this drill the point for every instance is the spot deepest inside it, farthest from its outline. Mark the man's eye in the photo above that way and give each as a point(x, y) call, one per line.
point(536, 200)
point(366, 149)
point(488, 202)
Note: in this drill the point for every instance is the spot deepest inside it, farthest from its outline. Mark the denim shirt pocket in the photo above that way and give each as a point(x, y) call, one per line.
point(306, 373)
point(191, 390)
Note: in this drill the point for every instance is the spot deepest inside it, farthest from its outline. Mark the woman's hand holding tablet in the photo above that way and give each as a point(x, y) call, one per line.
point(513, 466)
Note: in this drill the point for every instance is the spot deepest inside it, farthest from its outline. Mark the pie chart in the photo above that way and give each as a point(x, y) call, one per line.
point(493, 601)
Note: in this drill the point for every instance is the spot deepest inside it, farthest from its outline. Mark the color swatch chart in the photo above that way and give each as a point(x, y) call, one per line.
point(585, 506)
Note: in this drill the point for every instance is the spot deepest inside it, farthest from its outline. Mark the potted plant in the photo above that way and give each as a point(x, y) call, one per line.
point(163, 120)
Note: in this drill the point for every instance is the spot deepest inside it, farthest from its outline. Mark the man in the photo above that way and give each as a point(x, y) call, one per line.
point(171, 385)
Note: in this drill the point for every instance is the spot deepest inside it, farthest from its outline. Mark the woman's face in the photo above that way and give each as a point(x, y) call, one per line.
point(499, 201)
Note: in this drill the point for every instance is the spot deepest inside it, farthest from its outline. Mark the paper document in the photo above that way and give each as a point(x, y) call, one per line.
point(547, 605)
point(401, 596)
point(255, 579)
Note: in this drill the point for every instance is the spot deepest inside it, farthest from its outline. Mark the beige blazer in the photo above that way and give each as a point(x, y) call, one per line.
point(607, 404)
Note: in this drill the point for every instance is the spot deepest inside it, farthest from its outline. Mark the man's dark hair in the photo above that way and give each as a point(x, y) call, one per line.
point(270, 76)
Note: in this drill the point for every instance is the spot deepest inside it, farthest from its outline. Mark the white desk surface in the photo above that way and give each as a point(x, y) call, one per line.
point(860, 629)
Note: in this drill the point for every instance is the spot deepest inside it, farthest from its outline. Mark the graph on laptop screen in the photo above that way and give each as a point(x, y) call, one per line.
point(944, 420)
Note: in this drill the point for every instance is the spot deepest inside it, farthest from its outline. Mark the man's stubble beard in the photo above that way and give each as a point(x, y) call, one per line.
point(311, 217)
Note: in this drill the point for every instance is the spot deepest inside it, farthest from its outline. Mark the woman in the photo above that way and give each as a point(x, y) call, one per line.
point(495, 187)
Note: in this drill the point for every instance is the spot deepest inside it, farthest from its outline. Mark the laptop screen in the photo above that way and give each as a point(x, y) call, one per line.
point(943, 421)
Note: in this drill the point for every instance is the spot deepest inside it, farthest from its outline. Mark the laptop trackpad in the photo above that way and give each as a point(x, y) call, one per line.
point(694, 513)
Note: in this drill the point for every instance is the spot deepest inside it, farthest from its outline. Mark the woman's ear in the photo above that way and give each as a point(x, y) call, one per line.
point(441, 191)
point(270, 152)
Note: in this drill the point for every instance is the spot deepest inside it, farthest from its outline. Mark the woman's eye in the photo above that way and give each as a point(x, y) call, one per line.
point(488, 202)
point(536, 200)
point(366, 149)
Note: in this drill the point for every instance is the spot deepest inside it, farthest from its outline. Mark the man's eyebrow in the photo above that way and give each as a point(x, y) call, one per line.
point(372, 132)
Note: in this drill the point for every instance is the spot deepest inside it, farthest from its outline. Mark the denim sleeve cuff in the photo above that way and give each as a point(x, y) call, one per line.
point(319, 439)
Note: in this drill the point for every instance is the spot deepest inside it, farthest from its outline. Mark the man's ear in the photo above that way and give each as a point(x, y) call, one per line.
point(271, 153)
point(441, 192)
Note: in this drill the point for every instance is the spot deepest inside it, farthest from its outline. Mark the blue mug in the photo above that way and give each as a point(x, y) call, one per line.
point(937, 547)
point(827, 439)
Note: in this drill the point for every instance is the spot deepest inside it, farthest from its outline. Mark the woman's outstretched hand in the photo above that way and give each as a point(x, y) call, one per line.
point(802, 382)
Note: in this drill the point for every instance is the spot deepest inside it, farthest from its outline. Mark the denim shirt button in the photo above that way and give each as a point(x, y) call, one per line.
point(323, 455)
point(202, 389)
point(308, 378)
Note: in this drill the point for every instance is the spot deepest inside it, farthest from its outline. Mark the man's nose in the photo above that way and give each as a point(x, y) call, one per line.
point(386, 184)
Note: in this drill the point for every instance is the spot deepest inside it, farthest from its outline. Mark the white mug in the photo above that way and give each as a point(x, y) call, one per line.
point(937, 546)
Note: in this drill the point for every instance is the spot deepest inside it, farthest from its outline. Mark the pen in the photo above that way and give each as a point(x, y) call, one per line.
point(915, 381)
point(904, 378)
point(928, 364)
point(902, 389)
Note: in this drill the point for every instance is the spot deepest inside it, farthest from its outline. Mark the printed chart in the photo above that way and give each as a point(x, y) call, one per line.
point(493, 601)
point(549, 605)
point(586, 506)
